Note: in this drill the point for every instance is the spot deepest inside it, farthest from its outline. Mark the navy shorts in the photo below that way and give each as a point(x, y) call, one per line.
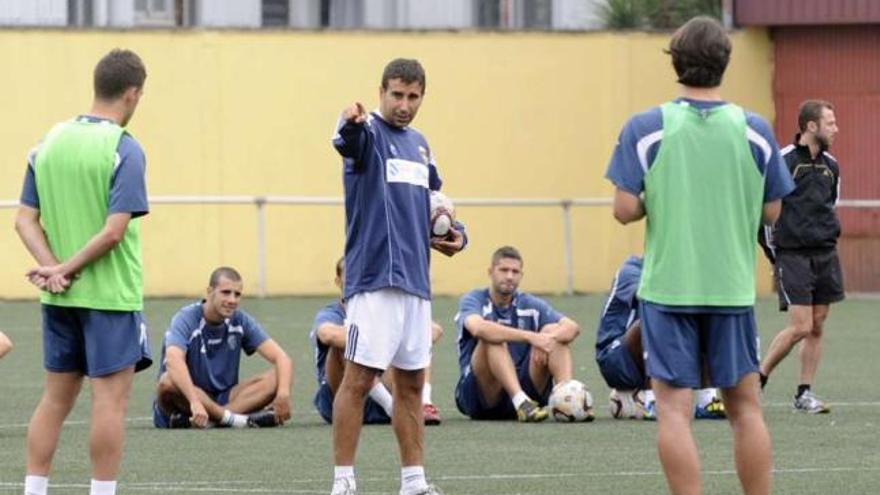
point(470, 401)
point(373, 412)
point(161, 420)
point(618, 368)
point(677, 345)
point(94, 342)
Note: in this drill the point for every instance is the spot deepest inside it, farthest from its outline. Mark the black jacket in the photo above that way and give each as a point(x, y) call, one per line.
point(808, 219)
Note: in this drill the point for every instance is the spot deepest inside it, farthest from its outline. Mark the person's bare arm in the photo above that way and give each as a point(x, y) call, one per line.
point(272, 352)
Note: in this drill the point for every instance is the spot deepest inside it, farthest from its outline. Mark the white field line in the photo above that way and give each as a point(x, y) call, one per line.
point(259, 487)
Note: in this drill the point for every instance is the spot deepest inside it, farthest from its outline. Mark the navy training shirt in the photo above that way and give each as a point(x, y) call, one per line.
point(332, 313)
point(213, 352)
point(622, 307)
point(526, 312)
point(387, 175)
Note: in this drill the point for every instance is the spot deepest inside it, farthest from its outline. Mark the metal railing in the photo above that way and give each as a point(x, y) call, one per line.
point(260, 202)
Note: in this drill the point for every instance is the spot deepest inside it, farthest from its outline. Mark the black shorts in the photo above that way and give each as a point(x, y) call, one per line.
point(808, 278)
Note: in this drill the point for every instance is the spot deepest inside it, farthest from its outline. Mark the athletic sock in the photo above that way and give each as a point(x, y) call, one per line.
point(412, 480)
point(764, 379)
point(35, 485)
point(234, 420)
point(426, 394)
point(519, 398)
point(705, 396)
point(380, 394)
point(103, 488)
point(649, 396)
point(803, 387)
point(344, 474)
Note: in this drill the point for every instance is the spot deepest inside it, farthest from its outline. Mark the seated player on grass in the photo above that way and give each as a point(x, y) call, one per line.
point(512, 347)
point(619, 348)
point(328, 337)
point(198, 379)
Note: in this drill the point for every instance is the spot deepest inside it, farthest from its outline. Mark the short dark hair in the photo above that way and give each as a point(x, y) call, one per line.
point(700, 52)
point(116, 72)
point(340, 266)
point(506, 252)
point(811, 111)
point(226, 272)
point(408, 70)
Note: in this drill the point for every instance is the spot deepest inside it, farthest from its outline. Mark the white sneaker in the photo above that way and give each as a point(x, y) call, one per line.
point(428, 490)
point(344, 486)
point(811, 404)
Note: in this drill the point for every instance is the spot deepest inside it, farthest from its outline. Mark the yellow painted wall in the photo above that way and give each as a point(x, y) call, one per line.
point(224, 113)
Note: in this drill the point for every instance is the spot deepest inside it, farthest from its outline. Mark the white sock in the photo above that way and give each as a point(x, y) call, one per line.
point(103, 488)
point(35, 485)
point(412, 480)
point(344, 476)
point(234, 420)
point(519, 398)
point(705, 396)
point(426, 394)
point(649, 396)
point(380, 395)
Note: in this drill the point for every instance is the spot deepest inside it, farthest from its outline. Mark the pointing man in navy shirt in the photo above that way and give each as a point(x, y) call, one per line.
point(388, 172)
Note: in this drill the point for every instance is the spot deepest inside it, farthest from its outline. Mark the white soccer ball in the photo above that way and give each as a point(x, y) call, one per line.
point(571, 401)
point(626, 404)
point(442, 214)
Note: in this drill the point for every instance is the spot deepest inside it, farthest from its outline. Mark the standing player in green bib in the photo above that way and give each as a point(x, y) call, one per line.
point(704, 173)
point(83, 194)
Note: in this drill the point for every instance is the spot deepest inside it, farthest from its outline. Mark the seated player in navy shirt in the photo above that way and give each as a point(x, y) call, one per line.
point(619, 352)
point(198, 378)
point(328, 337)
point(512, 347)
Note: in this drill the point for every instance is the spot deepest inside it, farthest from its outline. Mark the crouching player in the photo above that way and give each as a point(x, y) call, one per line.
point(198, 379)
point(328, 337)
point(620, 357)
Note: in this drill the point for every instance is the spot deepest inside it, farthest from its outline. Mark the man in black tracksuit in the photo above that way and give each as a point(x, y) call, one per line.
point(803, 248)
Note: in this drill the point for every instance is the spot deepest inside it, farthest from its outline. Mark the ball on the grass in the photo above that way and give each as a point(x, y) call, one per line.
point(570, 401)
point(625, 404)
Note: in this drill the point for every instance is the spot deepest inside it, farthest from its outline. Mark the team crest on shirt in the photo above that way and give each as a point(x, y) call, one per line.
point(231, 342)
point(392, 149)
point(424, 154)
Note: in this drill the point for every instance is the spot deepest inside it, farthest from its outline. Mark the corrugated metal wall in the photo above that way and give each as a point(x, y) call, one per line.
point(800, 12)
point(840, 64)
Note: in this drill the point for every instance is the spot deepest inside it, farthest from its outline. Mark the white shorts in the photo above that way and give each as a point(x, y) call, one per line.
point(388, 327)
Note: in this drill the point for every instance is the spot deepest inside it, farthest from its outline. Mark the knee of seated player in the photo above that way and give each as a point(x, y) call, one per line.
point(436, 332)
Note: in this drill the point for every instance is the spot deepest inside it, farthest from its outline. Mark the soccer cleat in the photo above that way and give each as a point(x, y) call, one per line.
point(432, 415)
point(179, 420)
point(809, 403)
point(429, 490)
point(650, 413)
point(262, 419)
point(713, 410)
point(530, 412)
point(344, 486)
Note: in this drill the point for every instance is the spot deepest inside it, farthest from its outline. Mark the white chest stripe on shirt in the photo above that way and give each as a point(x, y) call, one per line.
point(643, 145)
point(529, 313)
point(406, 172)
